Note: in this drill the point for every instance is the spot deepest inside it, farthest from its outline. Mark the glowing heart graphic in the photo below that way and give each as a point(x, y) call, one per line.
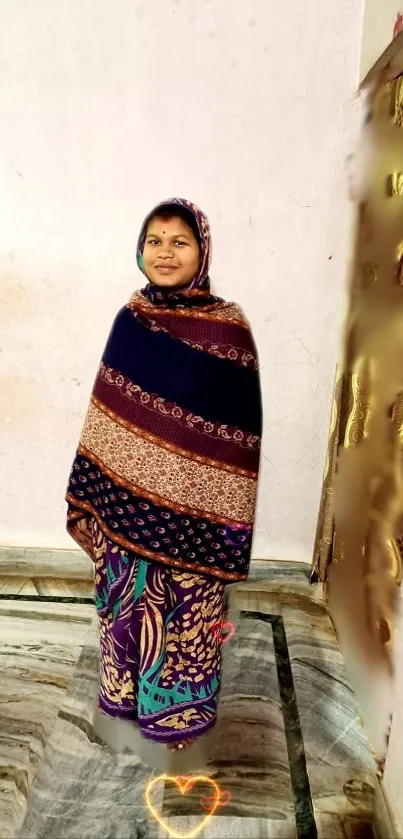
point(206, 801)
point(219, 629)
point(184, 787)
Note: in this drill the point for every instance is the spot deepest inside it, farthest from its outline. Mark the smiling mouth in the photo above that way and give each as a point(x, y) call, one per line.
point(166, 269)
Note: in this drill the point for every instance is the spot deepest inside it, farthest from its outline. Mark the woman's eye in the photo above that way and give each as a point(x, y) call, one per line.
point(178, 242)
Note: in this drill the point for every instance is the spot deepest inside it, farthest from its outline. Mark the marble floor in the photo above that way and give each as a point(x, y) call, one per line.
point(288, 754)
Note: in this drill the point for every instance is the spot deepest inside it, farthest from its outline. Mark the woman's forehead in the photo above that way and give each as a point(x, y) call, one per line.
point(170, 222)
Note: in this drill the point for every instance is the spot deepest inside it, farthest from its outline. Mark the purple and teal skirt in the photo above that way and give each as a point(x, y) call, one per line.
point(160, 646)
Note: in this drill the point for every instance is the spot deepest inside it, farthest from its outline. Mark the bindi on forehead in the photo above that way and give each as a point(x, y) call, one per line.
point(165, 220)
point(169, 225)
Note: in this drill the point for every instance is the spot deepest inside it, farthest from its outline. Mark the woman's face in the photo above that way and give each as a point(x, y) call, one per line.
point(171, 253)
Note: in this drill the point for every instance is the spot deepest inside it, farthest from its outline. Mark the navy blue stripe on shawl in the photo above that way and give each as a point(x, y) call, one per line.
point(214, 388)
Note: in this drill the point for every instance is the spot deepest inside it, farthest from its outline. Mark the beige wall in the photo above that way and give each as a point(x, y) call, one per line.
point(109, 106)
point(378, 30)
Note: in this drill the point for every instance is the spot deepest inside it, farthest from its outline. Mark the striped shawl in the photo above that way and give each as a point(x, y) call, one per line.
point(168, 458)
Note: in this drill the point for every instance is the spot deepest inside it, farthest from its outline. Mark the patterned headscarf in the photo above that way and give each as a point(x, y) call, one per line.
point(201, 282)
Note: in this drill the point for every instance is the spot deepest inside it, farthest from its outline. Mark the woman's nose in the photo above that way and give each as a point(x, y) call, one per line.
point(166, 253)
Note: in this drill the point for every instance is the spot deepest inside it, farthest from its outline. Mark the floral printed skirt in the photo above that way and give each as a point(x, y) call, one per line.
point(160, 648)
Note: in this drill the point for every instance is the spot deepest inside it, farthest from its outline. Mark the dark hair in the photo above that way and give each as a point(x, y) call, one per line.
point(170, 210)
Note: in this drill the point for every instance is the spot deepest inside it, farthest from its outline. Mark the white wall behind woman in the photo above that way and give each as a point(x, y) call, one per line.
point(108, 106)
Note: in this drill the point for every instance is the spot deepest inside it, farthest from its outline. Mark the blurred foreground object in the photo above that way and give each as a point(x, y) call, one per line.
point(358, 544)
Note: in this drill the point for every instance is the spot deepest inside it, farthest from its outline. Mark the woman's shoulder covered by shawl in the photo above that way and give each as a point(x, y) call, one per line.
point(220, 328)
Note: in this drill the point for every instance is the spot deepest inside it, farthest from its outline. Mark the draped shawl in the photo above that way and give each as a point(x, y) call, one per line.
point(168, 458)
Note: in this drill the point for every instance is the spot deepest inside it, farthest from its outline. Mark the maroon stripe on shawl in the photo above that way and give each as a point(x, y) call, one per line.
point(226, 339)
point(197, 330)
point(174, 430)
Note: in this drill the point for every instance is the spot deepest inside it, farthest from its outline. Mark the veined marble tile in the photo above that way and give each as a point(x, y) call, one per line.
point(270, 569)
point(75, 564)
point(342, 791)
point(340, 763)
point(84, 788)
point(219, 827)
point(18, 585)
point(46, 587)
point(122, 735)
point(324, 691)
point(43, 562)
point(38, 652)
point(275, 572)
point(57, 614)
point(277, 598)
point(331, 826)
point(247, 749)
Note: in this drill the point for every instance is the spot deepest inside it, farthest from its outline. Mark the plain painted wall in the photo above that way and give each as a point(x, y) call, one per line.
point(108, 106)
point(378, 30)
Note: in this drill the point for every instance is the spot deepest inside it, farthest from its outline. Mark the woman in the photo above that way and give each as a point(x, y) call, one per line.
point(163, 488)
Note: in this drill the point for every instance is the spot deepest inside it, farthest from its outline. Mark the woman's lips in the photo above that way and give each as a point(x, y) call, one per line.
point(166, 269)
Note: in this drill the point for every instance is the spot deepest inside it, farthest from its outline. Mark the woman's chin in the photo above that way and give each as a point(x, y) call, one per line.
point(169, 282)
